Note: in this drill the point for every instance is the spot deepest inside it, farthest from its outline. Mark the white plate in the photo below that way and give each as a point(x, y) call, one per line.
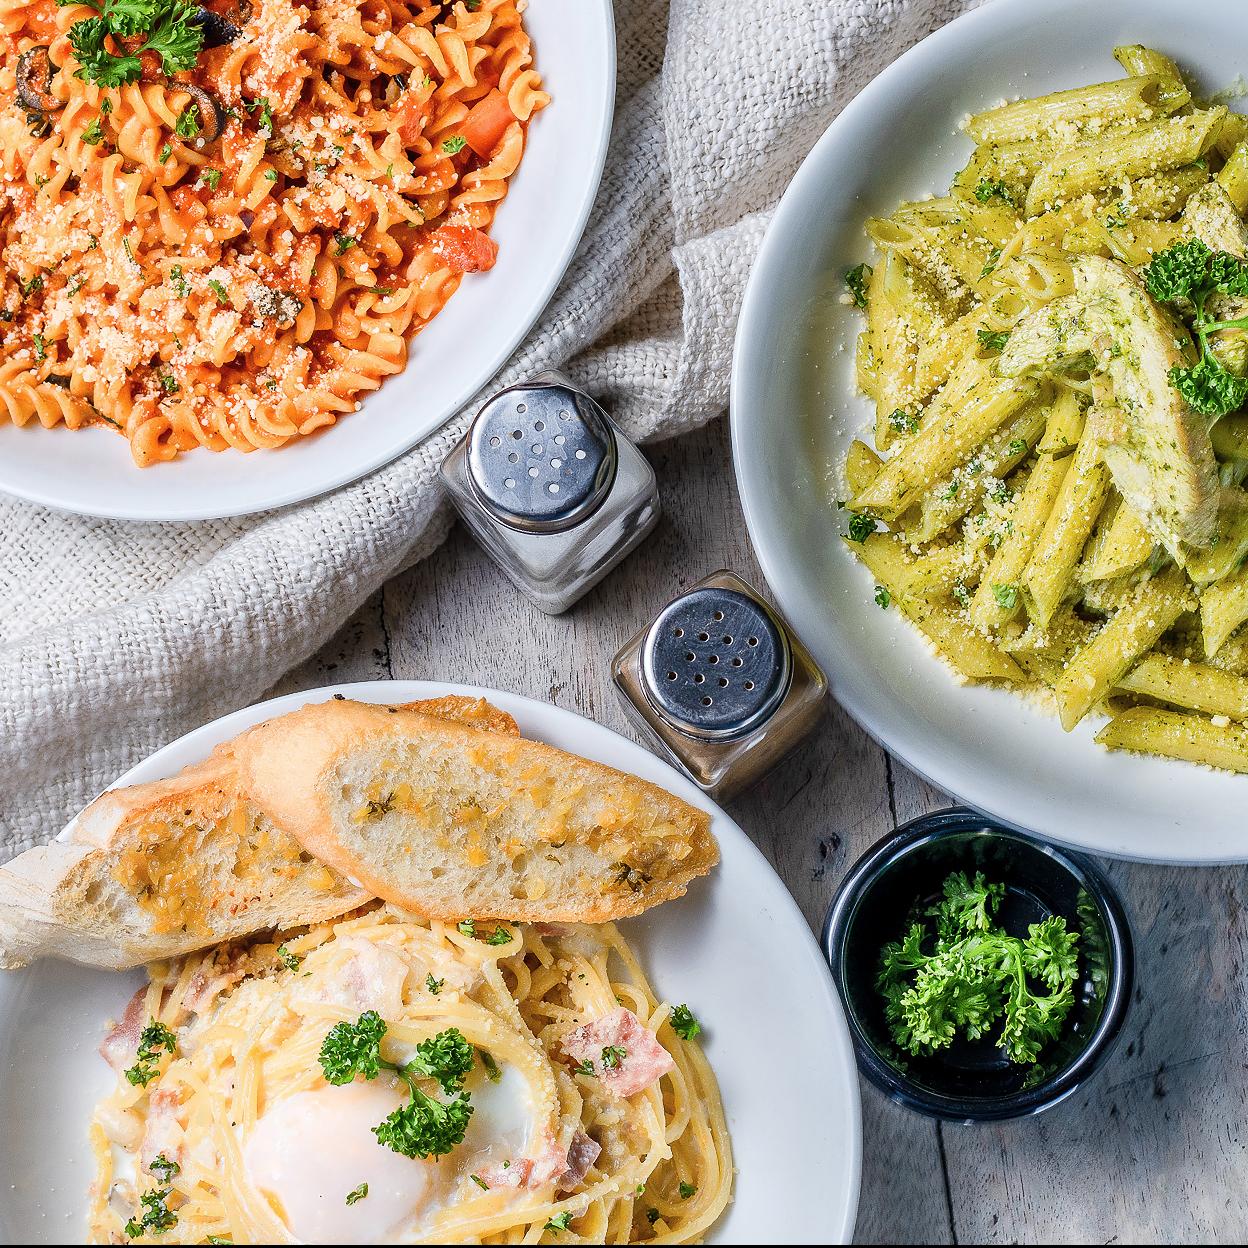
point(794, 411)
point(736, 948)
point(537, 229)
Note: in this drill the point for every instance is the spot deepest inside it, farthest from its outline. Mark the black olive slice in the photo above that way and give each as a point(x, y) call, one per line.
point(34, 81)
point(218, 30)
point(211, 114)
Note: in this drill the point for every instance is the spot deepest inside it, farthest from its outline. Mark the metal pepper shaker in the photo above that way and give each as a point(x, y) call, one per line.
point(551, 488)
point(720, 684)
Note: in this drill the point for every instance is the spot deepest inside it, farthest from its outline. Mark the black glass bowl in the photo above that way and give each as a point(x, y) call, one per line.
point(973, 1081)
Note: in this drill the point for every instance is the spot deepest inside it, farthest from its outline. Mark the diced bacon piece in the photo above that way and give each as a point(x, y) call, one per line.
point(371, 979)
point(122, 1043)
point(465, 249)
point(564, 1167)
point(638, 1059)
point(582, 1153)
point(549, 1163)
point(164, 1133)
point(515, 1174)
point(152, 66)
point(212, 979)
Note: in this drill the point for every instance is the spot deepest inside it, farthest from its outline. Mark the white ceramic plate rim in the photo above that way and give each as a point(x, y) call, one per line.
point(1181, 833)
point(820, 1067)
point(557, 209)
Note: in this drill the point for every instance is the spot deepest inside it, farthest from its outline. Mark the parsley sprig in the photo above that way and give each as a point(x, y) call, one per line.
point(288, 958)
point(499, 936)
point(856, 280)
point(684, 1024)
point(1193, 272)
point(170, 28)
point(163, 1168)
point(156, 1216)
point(973, 976)
point(987, 189)
point(861, 526)
point(153, 1039)
point(426, 1126)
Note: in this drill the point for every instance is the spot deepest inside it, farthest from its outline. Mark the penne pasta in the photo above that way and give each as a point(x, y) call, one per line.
point(1137, 59)
point(1075, 510)
point(1223, 608)
point(1122, 546)
point(1230, 547)
point(983, 474)
point(1065, 487)
point(1188, 737)
point(862, 465)
point(965, 650)
point(1234, 132)
point(953, 431)
point(1233, 177)
point(1193, 686)
point(892, 347)
point(1064, 427)
point(1128, 635)
point(1124, 99)
point(1132, 153)
point(997, 600)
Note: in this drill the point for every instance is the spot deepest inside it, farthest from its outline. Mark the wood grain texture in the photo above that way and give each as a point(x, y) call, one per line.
point(1151, 1150)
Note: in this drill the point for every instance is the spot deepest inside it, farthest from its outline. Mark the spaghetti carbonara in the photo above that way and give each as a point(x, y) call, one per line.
point(222, 224)
point(382, 1079)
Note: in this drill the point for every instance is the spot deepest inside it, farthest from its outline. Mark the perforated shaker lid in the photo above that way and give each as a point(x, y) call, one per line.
point(716, 662)
point(541, 456)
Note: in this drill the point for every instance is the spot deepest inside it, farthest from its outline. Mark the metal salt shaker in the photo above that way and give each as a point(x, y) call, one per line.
point(720, 684)
point(551, 488)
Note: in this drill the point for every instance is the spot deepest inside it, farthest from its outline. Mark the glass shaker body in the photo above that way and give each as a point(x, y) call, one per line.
point(552, 489)
point(720, 684)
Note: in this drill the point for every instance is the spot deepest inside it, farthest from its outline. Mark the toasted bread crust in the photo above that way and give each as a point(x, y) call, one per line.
point(96, 897)
point(292, 768)
point(471, 712)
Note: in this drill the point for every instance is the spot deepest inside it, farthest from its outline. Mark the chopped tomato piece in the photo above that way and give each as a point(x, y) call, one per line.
point(465, 249)
point(190, 202)
point(40, 20)
point(486, 123)
point(411, 112)
point(153, 68)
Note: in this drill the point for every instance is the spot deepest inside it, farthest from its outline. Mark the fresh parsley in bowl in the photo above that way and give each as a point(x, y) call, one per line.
point(985, 974)
point(960, 972)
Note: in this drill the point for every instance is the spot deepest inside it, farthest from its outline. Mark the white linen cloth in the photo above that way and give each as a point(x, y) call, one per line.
point(117, 637)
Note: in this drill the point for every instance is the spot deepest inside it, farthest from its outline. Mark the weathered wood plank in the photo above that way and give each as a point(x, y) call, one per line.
point(1152, 1149)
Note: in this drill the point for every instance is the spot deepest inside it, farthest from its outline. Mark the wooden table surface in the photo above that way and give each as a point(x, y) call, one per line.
point(1152, 1150)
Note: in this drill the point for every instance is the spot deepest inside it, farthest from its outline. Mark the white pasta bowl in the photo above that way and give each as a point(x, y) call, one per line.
point(537, 228)
point(795, 410)
point(736, 948)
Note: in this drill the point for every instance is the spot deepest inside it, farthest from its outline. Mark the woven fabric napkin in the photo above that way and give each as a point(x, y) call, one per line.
point(117, 637)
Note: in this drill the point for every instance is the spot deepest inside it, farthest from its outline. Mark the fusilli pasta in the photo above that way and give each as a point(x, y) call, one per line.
point(230, 255)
